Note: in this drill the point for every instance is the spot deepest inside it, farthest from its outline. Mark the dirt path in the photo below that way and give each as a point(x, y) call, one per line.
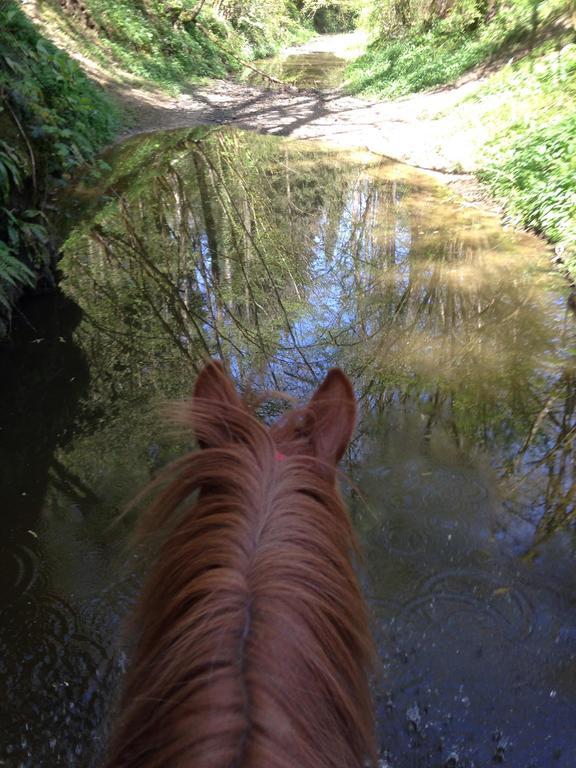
point(418, 130)
point(397, 129)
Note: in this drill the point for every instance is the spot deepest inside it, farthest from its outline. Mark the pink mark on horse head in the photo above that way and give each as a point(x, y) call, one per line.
point(279, 456)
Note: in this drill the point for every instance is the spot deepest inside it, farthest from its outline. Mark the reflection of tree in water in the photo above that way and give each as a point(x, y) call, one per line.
point(454, 330)
point(545, 460)
point(283, 261)
point(200, 262)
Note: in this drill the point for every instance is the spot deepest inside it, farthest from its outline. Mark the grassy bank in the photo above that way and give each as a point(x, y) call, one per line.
point(172, 43)
point(530, 162)
point(528, 158)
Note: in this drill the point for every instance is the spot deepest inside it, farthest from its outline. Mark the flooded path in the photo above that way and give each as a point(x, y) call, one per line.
point(317, 64)
point(418, 130)
point(285, 258)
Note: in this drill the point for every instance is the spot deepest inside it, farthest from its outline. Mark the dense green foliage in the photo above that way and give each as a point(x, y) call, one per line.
point(52, 119)
point(414, 62)
point(536, 177)
point(531, 162)
point(331, 19)
point(436, 50)
point(154, 47)
point(175, 41)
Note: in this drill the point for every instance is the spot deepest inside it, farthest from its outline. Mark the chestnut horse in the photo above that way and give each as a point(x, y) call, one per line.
point(252, 643)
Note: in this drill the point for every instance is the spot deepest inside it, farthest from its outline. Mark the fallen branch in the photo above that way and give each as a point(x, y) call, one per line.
point(244, 63)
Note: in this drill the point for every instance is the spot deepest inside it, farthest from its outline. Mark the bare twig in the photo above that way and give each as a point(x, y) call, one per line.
point(244, 63)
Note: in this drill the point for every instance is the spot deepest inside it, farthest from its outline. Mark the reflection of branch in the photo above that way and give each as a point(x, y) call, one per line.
point(248, 284)
point(69, 483)
point(551, 524)
point(101, 237)
point(534, 428)
point(161, 276)
point(209, 221)
point(265, 266)
point(560, 444)
point(259, 343)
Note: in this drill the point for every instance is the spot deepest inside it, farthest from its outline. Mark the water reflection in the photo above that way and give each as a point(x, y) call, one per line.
point(317, 69)
point(285, 259)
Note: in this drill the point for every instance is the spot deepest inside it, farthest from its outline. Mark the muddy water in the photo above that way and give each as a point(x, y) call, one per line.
point(285, 259)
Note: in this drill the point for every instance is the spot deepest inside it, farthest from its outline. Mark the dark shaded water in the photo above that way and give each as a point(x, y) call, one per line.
point(286, 259)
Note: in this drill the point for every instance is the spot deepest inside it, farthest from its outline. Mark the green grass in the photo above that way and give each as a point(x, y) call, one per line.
point(530, 162)
point(416, 59)
point(153, 49)
point(416, 62)
point(160, 41)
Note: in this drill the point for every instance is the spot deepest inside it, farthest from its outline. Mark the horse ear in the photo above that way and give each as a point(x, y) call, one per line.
point(334, 408)
point(217, 407)
point(214, 385)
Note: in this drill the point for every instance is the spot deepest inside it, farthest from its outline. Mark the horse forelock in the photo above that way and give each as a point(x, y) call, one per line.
point(253, 648)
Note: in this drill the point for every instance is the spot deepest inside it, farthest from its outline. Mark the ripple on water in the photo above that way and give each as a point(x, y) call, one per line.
point(470, 653)
point(415, 501)
point(465, 628)
point(105, 612)
point(452, 597)
point(19, 572)
point(58, 675)
point(403, 541)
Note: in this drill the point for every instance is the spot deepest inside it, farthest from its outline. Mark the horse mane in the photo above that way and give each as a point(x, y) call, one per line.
point(252, 645)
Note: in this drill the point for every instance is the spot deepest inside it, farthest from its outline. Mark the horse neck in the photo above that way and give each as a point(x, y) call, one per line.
point(253, 647)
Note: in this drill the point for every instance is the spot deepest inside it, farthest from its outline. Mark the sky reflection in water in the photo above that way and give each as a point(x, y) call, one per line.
point(286, 259)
